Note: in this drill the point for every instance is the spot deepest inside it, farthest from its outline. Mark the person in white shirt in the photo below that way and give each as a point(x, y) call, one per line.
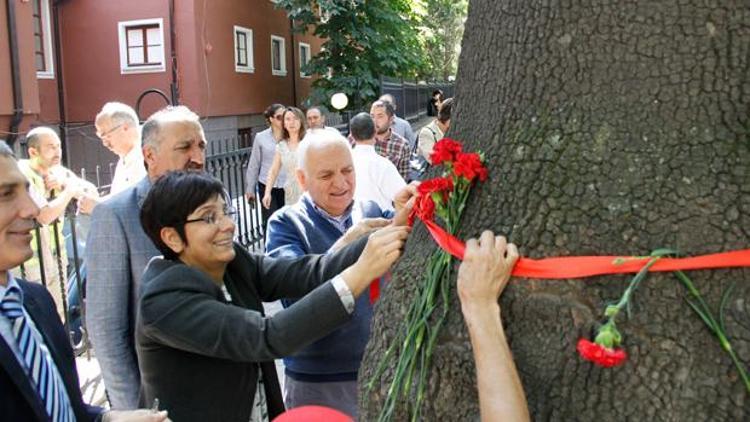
point(117, 126)
point(377, 178)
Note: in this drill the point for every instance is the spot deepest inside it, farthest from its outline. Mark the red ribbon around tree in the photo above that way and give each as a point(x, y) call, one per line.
point(465, 168)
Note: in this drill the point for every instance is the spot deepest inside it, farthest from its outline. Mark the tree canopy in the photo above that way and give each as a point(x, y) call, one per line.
point(364, 40)
point(441, 30)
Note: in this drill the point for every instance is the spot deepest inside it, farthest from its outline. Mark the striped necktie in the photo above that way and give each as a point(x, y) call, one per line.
point(37, 360)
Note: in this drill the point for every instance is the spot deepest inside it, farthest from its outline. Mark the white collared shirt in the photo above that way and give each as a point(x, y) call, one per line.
point(129, 170)
point(377, 178)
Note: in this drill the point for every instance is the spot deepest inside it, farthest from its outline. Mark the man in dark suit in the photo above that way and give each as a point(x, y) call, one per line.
point(38, 379)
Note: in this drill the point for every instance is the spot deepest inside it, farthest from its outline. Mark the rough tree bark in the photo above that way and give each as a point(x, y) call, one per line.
point(610, 127)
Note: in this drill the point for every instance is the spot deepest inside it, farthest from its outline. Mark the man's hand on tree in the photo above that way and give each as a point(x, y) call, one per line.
point(485, 270)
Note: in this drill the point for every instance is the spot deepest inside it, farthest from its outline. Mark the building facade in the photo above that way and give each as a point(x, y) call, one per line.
point(226, 60)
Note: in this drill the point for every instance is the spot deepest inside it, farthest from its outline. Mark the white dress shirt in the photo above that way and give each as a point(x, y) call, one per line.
point(377, 178)
point(130, 169)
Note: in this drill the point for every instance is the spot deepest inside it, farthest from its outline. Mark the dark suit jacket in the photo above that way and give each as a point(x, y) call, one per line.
point(18, 400)
point(199, 355)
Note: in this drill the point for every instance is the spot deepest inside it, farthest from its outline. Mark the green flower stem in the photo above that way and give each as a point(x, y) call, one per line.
point(706, 315)
point(419, 336)
point(624, 301)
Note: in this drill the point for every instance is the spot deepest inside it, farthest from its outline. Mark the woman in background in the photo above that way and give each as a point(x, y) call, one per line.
point(286, 157)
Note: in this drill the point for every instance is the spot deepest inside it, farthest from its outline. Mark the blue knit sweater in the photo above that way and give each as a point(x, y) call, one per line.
point(301, 229)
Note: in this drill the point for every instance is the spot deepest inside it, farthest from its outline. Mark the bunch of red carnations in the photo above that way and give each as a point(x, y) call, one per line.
point(443, 197)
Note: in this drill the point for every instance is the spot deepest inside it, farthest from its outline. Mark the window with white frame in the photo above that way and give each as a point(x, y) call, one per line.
point(278, 56)
point(304, 58)
point(42, 39)
point(243, 50)
point(141, 46)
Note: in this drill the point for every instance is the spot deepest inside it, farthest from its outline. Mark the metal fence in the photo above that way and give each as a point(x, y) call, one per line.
point(411, 97)
point(58, 262)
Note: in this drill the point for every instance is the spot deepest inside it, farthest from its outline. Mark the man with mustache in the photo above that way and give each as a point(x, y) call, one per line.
point(34, 350)
point(118, 250)
point(55, 186)
point(388, 143)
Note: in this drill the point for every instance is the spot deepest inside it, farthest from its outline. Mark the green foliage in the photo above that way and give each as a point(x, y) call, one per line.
point(441, 29)
point(363, 40)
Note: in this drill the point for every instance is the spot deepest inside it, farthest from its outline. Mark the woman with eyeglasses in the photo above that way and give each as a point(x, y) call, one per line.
point(205, 348)
point(286, 157)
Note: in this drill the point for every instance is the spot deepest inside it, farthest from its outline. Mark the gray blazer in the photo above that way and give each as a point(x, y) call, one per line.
point(117, 251)
point(199, 354)
point(403, 128)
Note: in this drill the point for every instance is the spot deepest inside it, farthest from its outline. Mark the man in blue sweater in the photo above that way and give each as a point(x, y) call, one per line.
point(325, 218)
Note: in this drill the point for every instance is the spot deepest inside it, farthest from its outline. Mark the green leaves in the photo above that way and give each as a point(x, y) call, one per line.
point(363, 40)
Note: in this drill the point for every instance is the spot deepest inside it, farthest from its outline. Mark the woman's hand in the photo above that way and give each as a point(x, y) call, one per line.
point(486, 269)
point(362, 228)
point(403, 203)
point(266, 200)
point(383, 248)
point(139, 415)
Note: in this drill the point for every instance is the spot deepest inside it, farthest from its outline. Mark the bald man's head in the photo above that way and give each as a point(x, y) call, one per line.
point(326, 171)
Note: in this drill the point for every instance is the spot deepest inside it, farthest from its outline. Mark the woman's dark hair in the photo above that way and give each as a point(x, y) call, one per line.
point(172, 198)
point(302, 122)
point(271, 110)
point(444, 112)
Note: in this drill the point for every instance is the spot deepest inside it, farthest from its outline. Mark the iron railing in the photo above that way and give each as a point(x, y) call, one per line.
point(226, 160)
point(412, 97)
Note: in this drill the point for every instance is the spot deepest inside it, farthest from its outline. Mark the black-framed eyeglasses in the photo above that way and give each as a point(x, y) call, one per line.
point(214, 218)
point(109, 132)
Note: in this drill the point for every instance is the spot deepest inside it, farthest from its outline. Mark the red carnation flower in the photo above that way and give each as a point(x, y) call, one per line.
point(445, 149)
point(600, 355)
point(424, 207)
point(469, 166)
point(438, 184)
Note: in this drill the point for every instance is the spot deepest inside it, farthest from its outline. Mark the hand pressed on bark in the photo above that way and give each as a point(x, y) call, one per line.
point(482, 276)
point(486, 269)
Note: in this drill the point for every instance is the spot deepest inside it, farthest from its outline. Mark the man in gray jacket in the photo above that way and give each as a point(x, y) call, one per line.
point(118, 250)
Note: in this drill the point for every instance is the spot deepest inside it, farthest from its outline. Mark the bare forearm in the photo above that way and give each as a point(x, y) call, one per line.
point(501, 395)
point(273, 173)
point(55, 208)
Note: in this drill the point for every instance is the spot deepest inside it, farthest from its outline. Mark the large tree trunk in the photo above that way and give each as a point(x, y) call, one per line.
point(610, 128)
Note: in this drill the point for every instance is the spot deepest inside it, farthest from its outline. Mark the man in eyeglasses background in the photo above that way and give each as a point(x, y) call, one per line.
point(261, 159)
point(117, 250)
point(117, 127)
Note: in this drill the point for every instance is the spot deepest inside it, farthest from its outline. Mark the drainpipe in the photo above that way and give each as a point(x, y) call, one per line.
point(173, 88)
point(294, 67)
point(60, 84)
point(15, 71)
